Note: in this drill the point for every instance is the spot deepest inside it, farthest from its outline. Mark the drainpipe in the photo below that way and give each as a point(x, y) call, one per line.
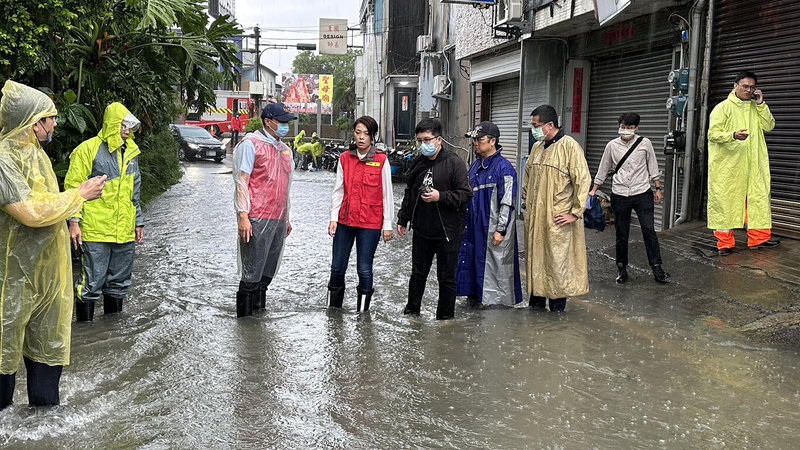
point(694, 48)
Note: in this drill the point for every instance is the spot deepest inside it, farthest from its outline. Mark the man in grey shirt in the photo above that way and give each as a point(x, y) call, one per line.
point(630, 191)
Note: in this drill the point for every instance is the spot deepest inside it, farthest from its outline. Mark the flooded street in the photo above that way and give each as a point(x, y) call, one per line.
point(624, 367)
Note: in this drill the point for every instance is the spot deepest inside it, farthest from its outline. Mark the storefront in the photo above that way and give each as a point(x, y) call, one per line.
point(766, 41)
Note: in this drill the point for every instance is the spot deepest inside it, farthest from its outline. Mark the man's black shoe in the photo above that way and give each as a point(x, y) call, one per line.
point(537, 302)
point(725, 251)
point(659, 274)
point(622, 273)
point(765, 244)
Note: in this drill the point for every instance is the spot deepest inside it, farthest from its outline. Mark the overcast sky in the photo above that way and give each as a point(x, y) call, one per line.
point(292, 21)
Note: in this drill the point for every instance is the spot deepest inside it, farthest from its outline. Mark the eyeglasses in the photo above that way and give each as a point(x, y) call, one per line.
point(478, 139)
point(747, 87)
point(427, 140)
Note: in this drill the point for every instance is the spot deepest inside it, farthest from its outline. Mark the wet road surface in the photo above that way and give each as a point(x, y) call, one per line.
point(625, 367)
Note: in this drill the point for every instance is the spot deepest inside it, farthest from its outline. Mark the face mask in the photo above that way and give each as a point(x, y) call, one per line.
point(626, 134)
point(283, 129)
point(47, 139)
point(427, 149)
point(538, 133)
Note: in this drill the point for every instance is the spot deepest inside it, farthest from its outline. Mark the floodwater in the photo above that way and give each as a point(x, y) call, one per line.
point(624, 367)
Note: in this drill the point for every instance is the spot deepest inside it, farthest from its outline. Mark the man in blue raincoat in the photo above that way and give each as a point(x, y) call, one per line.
point(488, 262)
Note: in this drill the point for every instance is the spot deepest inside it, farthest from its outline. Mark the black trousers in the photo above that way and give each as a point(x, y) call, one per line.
point(643, 204)
point(235, 136)
point(422, 253)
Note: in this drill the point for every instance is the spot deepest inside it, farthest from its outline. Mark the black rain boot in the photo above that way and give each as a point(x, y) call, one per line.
point(558, 304)
point(7, 383)
point(537, 302)
point(622, 273)
point(42, 383)
point(111, 304)
point(260, 302)
point(244, 303)
point(366, 296)
point(84, 311)
point(335, 296)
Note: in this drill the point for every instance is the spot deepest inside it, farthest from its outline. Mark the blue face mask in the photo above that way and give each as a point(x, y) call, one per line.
point(427, 149)
point(283, 129)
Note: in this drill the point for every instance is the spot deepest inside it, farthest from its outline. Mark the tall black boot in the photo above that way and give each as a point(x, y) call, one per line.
point(537, 302)
point(7, 383)
point(335, 296)
point(42, 383)
point(558, 304)
point(260, 302)
point(244, 303)
point(111, 304)
point(366, 297)
point(84, 311)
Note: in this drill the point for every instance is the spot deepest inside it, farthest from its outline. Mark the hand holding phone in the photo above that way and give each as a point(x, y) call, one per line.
point(757, 96)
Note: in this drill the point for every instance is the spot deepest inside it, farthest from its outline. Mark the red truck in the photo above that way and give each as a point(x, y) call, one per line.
point(217, 119)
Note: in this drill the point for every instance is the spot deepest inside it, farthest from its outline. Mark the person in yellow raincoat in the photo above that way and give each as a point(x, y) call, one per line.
point(35, 268)
point(738, 167)
point(298, 141)
point(105, 230)
point(312, 149)
point(554, 193)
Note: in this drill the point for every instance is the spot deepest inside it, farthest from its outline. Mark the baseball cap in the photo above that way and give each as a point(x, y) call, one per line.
point(484, 129)
point(277, 111)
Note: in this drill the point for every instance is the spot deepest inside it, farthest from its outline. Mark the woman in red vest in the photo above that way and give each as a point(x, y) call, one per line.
point(362, 208)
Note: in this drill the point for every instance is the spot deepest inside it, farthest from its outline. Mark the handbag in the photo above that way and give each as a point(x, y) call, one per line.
point(621, 161)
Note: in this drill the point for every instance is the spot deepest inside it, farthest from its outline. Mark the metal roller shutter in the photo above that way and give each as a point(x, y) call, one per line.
point(629, 83)
point(505, 114)
point(768, 43)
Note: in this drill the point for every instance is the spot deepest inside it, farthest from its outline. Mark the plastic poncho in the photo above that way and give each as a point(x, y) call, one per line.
point(556, 181)
point(262, 174)
point(35, 265)
point(490, 272)
point(115, 215)
point(738, 171)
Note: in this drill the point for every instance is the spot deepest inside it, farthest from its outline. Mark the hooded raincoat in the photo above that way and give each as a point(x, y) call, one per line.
point(556, 181)
point(738, 171)
point(35, 263)
point(115, 215)
point(487, 271)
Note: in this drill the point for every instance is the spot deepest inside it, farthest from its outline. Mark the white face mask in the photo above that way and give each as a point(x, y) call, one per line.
point(626, 134)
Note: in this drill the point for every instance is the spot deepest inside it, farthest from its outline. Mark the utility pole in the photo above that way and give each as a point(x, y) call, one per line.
point(257, 32)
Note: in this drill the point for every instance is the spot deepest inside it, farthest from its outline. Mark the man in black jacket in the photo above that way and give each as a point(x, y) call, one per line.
point(437, 191)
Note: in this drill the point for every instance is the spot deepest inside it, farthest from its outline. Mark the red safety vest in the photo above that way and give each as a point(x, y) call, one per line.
point(362, 205)
point(269, 181)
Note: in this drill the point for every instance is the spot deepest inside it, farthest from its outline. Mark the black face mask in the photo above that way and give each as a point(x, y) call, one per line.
point(48, 139)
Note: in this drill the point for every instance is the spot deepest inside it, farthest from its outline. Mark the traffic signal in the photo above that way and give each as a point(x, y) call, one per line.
point(311, 47)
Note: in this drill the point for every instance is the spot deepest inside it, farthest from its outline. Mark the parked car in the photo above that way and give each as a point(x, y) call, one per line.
point(195, 143)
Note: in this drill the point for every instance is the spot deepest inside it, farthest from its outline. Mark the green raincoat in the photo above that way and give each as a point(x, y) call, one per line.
point(114, 216)
point(738, 171)
point(35, 262)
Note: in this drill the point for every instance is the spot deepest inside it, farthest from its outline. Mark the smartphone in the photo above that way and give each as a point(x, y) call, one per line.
point(756, 97)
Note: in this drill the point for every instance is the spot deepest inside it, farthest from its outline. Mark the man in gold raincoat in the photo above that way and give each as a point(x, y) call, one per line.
point(554, 193)
point(35, 264)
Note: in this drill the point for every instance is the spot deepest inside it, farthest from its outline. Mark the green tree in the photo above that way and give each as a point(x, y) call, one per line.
point(343, 69)
point(154, 56)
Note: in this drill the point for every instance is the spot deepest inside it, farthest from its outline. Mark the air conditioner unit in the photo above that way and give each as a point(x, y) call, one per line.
point(441, 86)
point(424, 43)
point(509, 11)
